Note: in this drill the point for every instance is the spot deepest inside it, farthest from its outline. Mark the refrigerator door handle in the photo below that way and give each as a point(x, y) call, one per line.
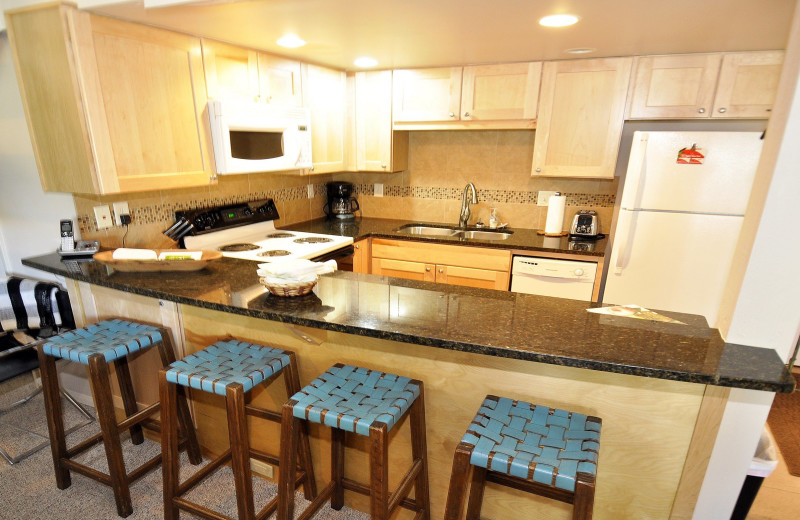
point(624, 232)
point(637, 167)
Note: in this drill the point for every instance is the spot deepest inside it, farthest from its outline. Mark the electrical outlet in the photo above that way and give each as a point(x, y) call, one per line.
point(262, 468)
point(102, 216)
point(543, 198)
point(378, 191)
point(310, 189)
point(120, 208)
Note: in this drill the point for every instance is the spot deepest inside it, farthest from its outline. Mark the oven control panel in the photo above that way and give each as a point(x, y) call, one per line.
point(234, 215)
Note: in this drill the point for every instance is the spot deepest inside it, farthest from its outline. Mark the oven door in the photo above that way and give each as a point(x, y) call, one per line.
point(343, 257)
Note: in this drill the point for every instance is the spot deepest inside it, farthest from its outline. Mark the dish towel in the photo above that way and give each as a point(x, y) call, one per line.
point(294, 271)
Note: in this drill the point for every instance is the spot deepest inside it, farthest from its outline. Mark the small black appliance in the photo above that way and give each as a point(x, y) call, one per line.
point(341, 204)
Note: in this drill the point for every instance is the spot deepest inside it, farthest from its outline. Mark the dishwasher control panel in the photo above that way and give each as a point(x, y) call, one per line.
point(552, 277)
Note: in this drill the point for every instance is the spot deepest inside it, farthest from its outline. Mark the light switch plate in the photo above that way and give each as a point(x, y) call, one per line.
point(102, 216)
point(120, 208)
point(378, 191)
point(543, 198)
point(310, 191)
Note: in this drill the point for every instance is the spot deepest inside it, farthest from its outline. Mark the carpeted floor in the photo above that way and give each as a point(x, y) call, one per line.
point(28, 490)
point(784, 423)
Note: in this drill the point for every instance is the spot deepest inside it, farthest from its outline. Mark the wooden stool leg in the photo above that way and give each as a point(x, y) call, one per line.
point(292, 381)
point(379, 471)
point(584, 497)
point(240, 451)
point(167, 353)
point(458, 482)
point(337, 468)
point(128, 397)
point(55, 418)
point(288, 471)
point(476, 493)
point(419, 451)
point(169, 444)
point(101, 388)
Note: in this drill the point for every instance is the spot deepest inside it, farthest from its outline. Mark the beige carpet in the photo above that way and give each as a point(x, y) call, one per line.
point(28, 491)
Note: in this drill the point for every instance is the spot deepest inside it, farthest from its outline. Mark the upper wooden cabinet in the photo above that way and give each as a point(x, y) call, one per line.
point(581, 111)
point(485, 96)
point(324, 92)
point(241, 73)
point(111, 106)
point(377, 147)
point(736, 85)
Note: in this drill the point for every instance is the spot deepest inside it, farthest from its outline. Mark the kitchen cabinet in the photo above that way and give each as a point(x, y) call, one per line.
point(234, 72)
point(111, 106)
point(730, 85)
point(581, 111)
point(455, 265)
point(361, 256)
point(377, 147)
point(324, 92)
point(483, 96)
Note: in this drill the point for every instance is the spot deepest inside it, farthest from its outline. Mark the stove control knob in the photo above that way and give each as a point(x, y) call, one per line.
point(247, 212)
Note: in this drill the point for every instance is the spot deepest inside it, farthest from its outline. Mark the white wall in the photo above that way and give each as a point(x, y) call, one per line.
point(28, 216)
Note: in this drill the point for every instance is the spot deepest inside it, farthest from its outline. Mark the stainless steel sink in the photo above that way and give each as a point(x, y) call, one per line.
point(413, 229)
point(485, 235)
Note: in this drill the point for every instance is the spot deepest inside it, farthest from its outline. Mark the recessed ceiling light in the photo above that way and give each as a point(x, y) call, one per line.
point(559, 20)
point(580, 50)
point(291, 41)
point(365, 62)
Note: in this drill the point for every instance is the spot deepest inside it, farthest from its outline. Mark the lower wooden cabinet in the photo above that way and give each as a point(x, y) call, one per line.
point(361, 257)
point(454, 265)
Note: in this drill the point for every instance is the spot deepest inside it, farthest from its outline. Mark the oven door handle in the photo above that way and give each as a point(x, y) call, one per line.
point(342, 252)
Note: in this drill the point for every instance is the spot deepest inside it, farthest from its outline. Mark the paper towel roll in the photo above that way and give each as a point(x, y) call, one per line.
point(555, 214)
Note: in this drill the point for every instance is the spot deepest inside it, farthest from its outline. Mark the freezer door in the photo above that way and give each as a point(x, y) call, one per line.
point(721, 185)
point(672, 261)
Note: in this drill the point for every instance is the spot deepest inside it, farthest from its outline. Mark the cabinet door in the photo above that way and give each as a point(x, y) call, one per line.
point(581, 111)
point(378, 148)
point(427, 94)
point(674, 86)
point(146, 101)
point(361, 257)
point(747, 85)
point(507, 91)
point(231, 71)
point(324, 93)
point(279, 80)
point(404, 269)
point(482, 278)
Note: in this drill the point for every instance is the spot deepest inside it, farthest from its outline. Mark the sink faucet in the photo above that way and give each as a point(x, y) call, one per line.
point(465, 202)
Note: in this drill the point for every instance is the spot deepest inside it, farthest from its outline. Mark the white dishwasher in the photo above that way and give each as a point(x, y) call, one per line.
point(550, 277)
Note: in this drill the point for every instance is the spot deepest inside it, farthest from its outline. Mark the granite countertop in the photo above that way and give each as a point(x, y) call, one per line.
point(494, 323)
point(521, 239)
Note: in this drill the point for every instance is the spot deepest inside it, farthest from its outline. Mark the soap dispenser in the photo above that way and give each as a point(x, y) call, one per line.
point(493, 222)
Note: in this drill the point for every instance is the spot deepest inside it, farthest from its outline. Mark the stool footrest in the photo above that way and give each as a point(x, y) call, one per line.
point(405, 486)
point(138, 417)
point(322, 497)
point(203, 473)
point(530, 486)
point(261, 413)
point(85, 445)
point(198, 510)
point(86, 471)
point(142, 470)
point(358, 487)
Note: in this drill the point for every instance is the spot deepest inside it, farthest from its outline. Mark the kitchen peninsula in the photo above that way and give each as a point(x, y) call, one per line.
point(646, 380)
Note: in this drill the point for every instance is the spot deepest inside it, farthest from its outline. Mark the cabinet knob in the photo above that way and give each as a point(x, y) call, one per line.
point(312, 168)
point(769, 110)
point(357, 246)
point(723, 110)
point(428, 269)
point(538, 170)
point(451, 114)
point(441, 270)
point(466, 114)
point(701, 110)
point(383, 166)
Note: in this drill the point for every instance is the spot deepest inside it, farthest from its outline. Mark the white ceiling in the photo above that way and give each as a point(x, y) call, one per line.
point(416, 33)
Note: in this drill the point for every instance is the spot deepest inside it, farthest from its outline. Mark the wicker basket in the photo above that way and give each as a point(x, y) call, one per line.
point(289, 289)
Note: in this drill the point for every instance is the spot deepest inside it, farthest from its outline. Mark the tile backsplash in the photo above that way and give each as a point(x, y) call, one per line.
point(441, 163)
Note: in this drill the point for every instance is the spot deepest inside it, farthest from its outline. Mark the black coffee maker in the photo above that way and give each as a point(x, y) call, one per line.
point(341, 205)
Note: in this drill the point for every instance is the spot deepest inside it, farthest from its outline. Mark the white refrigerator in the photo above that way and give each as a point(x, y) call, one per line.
point(678, 223)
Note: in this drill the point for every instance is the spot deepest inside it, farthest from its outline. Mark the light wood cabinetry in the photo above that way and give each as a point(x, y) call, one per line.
point(734, 85)
point(748, 82)
point(324, 92)
point(581, 111)
point(377, 147)
point(455, 265)
point(111, 106)
point(361, 256)
point(483, 96)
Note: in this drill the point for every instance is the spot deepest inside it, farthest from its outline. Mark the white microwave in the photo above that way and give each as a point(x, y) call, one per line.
point(251, 137)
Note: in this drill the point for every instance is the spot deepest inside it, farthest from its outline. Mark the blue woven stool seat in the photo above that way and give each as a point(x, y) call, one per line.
point(352, 398)
point(113, 339)
point(537, 443)
point(227, 362)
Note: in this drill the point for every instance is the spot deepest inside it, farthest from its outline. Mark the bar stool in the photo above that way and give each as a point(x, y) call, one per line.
point(541, 450)
point(232, 369)
point(96, 346)
point(369, 403)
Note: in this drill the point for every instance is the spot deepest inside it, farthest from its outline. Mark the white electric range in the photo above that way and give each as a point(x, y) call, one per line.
point(247, 231)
